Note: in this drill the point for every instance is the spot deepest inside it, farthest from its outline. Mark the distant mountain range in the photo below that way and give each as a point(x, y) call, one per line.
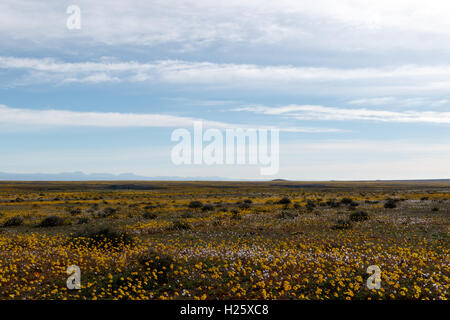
point(81, 176)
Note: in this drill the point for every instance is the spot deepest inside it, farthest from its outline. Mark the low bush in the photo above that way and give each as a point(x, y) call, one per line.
point(179, 225)
point(235, 215)
point(195, 205)
point(244, 206)
point(83, 220)
point(107, 212)
point(149, 215)
point(287, 215)
point(13, 222)
point(284, 200)
point(342, 225)
point(310, 205)
point(75, 211)
point(390, 204)
point(51, 221)
point(158, 262)
point(359, 216)
point(347, 201)
point(102, 236)
point(208, 207)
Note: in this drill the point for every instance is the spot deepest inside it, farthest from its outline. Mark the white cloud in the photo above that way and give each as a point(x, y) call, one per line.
point(400, 102)
point(317, 112)
point(64, 118)
point(24, 118)
point(94, 78)
point(276, 77)
point(339, 25)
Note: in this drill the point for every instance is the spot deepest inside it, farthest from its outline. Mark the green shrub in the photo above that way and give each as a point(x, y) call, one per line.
point(208, 207)
point(359, 216)
point(347, 201)
point(235, 215)
point(158, 261)
point(75, 211)
point(287, 215)
point(107, 212)
point(51, 221)
point(83, 220)
point(390, 204)
point(102, 236)
point(342, 225)
point(244, 206)
point(179, 225)
point(13, 222)
point(310, 205)
point(195, 205)
point(187, 214)
point(332, 203)
point(284, 200)
point(149, 215)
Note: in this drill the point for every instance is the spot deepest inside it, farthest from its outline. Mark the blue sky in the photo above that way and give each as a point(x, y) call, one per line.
point(358, 89)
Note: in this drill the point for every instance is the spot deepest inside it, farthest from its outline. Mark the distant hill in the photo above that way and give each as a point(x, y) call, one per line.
point(81, 176)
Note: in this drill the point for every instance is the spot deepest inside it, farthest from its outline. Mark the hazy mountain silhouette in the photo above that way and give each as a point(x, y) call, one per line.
point(81, 176)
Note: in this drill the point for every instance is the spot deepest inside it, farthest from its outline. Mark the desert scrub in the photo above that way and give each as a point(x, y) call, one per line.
point(195, 205)
point(310, 205)
point(103, 236)
point(342, 224)
point(244, 206)
point(157, 262)
point(187, 214)
point(287, 215)
point(107, 212)
point(359, 216)
point(75, 211)
point(51, 221)
point(235, 215)
point(149, 215)
point(390, 204)
point(83, 220)
point(208, 207)
point(284, 201)
point(13, 222)
point(179, 225)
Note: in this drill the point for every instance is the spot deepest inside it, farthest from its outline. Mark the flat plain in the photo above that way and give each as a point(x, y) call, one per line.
point(224, 240)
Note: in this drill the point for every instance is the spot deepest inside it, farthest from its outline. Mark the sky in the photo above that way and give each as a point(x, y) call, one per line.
point(359, 90)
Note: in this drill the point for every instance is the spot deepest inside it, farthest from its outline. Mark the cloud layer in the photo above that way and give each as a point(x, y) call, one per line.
point(26, 118)
point(346, 25)
point(277, 78)
point(317, 112)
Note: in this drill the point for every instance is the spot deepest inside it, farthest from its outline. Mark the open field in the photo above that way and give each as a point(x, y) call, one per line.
point(224, 240)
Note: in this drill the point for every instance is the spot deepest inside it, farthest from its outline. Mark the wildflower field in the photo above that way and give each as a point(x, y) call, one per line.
point(224, 240)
